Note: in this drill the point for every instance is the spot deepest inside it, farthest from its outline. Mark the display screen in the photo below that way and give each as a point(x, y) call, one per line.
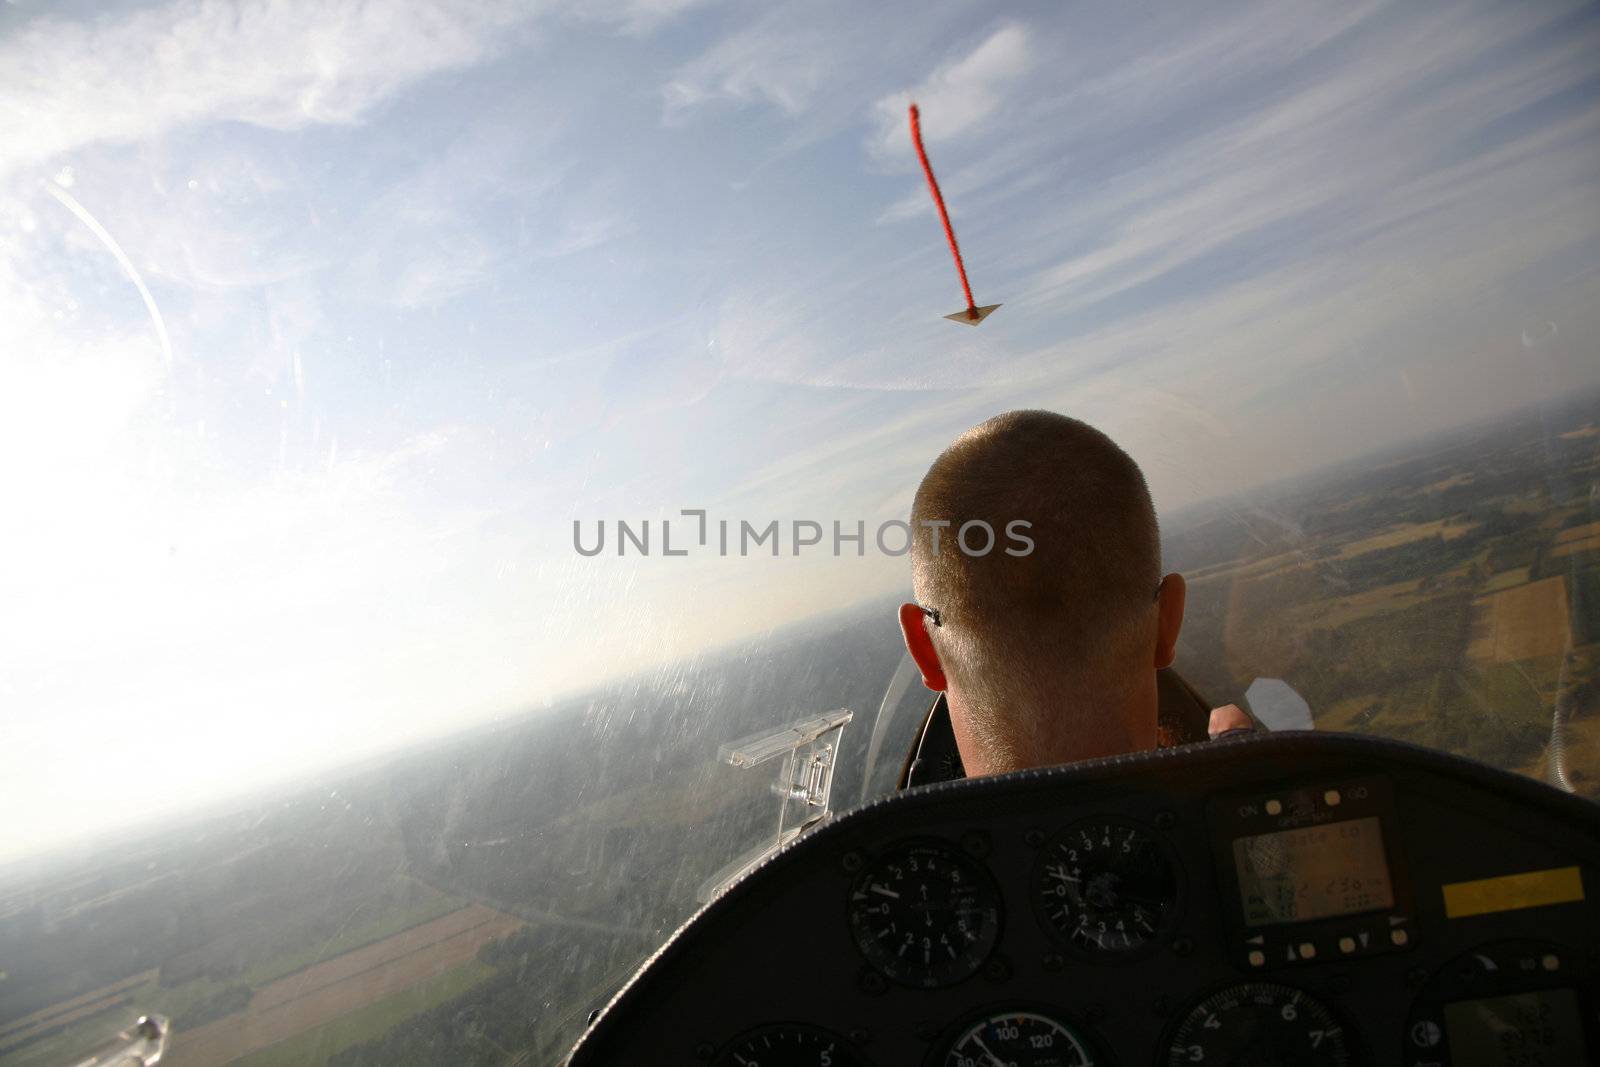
point(1313, 873)
point(1524, 1030)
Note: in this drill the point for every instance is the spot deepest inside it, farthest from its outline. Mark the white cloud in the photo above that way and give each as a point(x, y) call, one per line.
point(635, 16)
point(958, 96)
point(754, 65)
point(1361, 143)
point(277, 63)
point(817, 60)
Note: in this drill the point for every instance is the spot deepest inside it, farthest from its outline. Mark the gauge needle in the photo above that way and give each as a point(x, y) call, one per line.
point(996, 1060)
point(883, 890)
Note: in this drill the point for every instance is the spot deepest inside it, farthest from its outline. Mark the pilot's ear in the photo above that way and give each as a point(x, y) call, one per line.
point(914, 627)
point(1169, 618)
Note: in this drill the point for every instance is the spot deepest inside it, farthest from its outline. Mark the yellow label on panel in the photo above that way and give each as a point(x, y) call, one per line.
point(1562, 885)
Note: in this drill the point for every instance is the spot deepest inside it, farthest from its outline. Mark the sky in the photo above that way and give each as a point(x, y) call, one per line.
point(321, 323)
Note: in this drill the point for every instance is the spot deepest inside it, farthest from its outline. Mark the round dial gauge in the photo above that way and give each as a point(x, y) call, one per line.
point(789, 1045)
point(1106, 887)
point(1018, 1039)
point(925, 914)
point(1261, 1024)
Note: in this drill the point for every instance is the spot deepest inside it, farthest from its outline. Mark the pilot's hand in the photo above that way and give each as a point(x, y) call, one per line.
point(1227, 718)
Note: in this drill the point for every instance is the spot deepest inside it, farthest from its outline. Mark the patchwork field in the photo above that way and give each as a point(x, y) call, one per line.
point(1507, 579)
point(1405, 533)
point(315, 1047)
point(344, 984)
point(1460, 478)
point(1523, 622)
point(1587, 532)
point(22, 1030)
point(1276, 566)
point(1338, 611)
point(1571, 548)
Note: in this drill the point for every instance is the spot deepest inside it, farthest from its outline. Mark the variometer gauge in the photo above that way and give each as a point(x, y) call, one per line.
point(1106, 888)
point(1017, 1039)
point(789, 1045)
point(1258, 1024)
point(925, 914)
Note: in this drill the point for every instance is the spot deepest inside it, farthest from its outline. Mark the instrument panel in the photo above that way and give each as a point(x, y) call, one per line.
point(1288, 899)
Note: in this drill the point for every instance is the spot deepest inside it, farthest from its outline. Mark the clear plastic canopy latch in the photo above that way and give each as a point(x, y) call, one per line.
point(809, 747)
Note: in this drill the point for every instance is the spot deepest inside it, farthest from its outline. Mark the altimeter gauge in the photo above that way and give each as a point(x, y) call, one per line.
point(1259, 1024)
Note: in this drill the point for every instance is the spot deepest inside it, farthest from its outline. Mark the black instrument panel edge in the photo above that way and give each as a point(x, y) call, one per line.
point(968, 800)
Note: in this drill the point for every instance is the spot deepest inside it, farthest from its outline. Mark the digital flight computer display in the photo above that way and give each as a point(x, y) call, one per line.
point(1510, 1003)
point(1312, 873)
point(1315, 872)
point(1539, 1029)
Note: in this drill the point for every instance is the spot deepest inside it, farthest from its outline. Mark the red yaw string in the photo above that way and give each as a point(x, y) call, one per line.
point(944, 216)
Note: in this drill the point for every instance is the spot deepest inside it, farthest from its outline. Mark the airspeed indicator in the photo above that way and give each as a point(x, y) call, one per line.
point(1018, 1039)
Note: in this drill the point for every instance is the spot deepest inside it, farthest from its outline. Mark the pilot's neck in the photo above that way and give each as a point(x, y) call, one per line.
point(1113, 728)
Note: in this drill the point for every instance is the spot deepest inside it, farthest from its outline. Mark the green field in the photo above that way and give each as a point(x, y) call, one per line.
point(381, 924)
point(187, 1003)
point(313, 1048)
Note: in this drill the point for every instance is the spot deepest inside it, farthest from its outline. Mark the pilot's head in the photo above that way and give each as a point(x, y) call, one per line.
point(1048, 655)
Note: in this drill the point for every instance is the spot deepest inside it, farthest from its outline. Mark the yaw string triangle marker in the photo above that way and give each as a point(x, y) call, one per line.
point(973, 314)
